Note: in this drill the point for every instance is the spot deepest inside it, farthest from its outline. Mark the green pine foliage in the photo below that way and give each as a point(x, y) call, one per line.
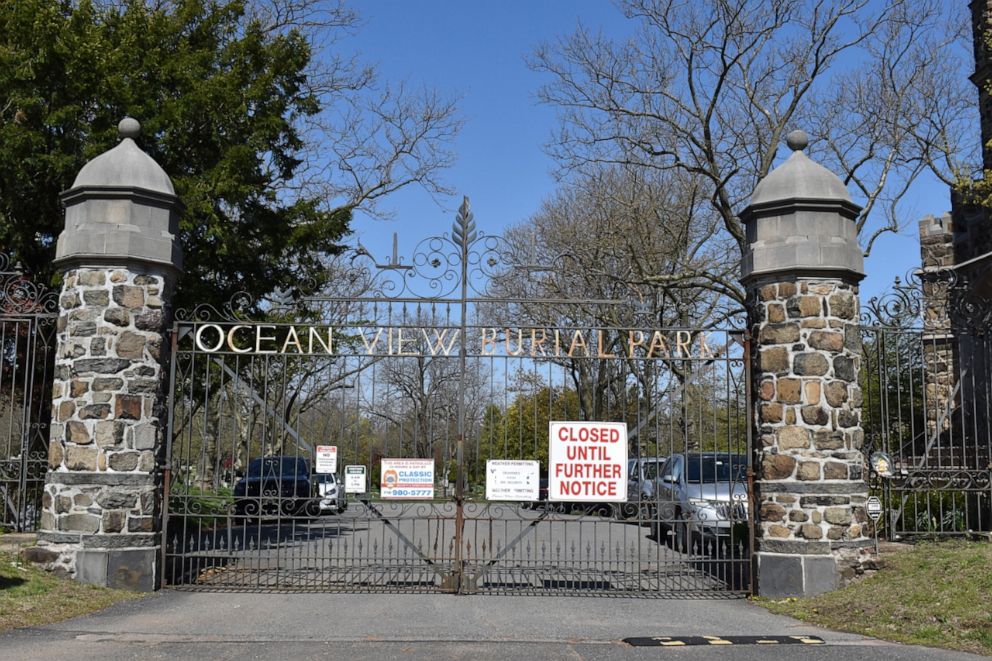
point(220, 99)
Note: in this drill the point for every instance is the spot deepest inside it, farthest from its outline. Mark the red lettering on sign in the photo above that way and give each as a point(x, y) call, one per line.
point(587, 434)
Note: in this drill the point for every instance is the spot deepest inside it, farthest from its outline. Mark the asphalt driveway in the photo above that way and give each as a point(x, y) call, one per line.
point(187, 625)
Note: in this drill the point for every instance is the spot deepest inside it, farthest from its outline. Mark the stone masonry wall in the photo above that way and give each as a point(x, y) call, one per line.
point(811, 490)
point(938, 250)
point(108, 416)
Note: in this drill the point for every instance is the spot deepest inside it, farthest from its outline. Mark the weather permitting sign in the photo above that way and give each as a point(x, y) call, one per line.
point(873, 507)
point(326, 459)
point(512, 480)
point(587, 462)
point(354, 479)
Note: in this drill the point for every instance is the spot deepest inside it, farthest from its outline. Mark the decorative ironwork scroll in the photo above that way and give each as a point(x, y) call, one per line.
point(934, 299)
point(28, 312)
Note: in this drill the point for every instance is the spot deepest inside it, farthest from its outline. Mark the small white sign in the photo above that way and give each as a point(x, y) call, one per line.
point(407, 479)
point(355, 479)
point(874, 508)
point(513, 480)
point(326, 459)
point(587, 462)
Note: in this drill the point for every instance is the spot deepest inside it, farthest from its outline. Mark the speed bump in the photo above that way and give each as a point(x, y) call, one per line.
point(684, 641)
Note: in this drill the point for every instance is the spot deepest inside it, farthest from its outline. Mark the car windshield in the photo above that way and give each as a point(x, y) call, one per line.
point(325, 478)
point(651, 469)
point(282, 466)
point(725, 468)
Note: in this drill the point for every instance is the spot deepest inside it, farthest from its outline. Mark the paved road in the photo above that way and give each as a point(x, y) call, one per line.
point(183, 625)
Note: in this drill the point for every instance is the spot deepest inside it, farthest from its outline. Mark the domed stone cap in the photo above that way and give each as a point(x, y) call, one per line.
point(799, 178)
point(125, 166)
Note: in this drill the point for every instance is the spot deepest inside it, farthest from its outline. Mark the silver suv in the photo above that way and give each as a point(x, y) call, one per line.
point(702, 497)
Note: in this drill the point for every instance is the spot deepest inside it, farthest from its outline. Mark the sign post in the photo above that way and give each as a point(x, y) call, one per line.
point(873, 507)
point(587, 462)
point(355, 479)
point(326, 459)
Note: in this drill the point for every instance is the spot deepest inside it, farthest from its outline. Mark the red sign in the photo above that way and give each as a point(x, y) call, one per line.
point(587, 462)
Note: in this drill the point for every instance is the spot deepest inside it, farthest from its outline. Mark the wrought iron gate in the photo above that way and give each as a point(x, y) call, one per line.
point(471, 371)
point(927, 384)
point(28, 314)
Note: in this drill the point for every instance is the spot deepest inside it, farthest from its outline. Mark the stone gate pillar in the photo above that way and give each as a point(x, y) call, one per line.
point(801, 271)
point(120, 258)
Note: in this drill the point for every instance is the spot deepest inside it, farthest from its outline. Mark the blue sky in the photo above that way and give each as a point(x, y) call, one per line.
point(476, 51)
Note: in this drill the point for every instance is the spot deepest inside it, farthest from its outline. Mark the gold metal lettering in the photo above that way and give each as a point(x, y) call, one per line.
point(601, 344)
point(230, 339)
point(683, 342)
point(535, 343)
point(489, 342)
point(198, 338)
point(292, 338)
point(439, 340)
point(578, 340)
point(370, 348)
point(632, 343)
point(259, 338)
point(399, 344)
point(658, 340)
point(704, 349)
point(520, 342)
point(328, 346)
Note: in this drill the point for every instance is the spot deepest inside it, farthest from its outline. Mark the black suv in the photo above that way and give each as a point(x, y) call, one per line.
point(276, 486)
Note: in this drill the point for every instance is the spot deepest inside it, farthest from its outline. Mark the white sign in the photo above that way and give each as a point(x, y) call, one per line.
point(587, 462)
point(874, 508)
point(327, 459)
point(407, 478)
point(512, 480)
point(354, 479)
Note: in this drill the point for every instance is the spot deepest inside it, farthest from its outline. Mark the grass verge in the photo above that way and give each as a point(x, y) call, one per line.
point(32, 597)
point(937, 594)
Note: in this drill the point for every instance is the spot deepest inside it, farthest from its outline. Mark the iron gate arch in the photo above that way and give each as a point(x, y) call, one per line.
point(459, 373)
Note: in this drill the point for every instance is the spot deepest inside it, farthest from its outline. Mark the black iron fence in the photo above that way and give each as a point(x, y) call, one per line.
point(28, 313)
point(926, 383)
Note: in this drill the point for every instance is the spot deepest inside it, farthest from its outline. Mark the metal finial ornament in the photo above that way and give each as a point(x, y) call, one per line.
point(129, 127)
point(463, 229)
point(797, 140)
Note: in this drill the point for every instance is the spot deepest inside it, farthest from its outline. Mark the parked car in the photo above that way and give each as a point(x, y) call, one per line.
point(276, 485)
point(641, 475)
point(330, 491)
point(701, 497)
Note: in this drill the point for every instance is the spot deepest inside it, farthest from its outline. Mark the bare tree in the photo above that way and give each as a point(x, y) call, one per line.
point(709, 89)
point(372, 137)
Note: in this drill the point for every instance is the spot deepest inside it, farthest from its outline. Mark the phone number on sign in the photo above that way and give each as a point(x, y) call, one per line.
point(409, 493)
